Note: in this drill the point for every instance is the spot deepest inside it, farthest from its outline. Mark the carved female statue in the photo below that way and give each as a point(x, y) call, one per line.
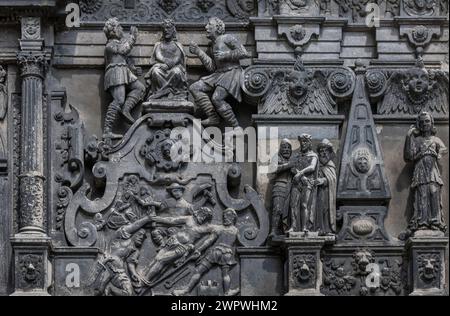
point(424, 149)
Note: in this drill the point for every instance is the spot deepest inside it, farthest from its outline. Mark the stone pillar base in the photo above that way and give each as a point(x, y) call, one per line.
point(303, 267)
point(427, 264)
point(31, 265)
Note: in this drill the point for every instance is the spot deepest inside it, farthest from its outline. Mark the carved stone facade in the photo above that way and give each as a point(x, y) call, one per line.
point(224, 148)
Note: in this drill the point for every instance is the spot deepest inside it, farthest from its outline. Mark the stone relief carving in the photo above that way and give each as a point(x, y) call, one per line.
point(300, 91)
point(199, 11)
point(304, 269)
point(420, 7)
point(161, 226)
point(410, 91)
point(424, 150)
point(299, 7)
point(429, 269)
point(31, 273)
point(352, 275)
point(226, 71)
point(31, 28)
point(119, 77)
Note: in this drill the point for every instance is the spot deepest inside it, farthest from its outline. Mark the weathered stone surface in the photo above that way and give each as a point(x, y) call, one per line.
point(99, 187)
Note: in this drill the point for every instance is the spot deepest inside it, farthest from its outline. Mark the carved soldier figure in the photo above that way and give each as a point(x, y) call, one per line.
point(281, 188)
point(117, 270)
point(227, 51)
point(222, 254)
point(167, 77)
point(181, 245)
point(120, 81)
point(302, 208)
point(424, 149)
point(326, 189)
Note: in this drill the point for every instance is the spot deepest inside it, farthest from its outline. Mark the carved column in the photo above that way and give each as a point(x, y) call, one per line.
point(31, 243)
point(32, 143)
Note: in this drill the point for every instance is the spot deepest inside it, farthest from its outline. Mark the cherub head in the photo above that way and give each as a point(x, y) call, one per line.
point(362, 160)
point(215, 28)
point(113, 29)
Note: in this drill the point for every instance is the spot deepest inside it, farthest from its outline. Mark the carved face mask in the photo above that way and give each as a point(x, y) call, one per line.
point(419, 82)
point(247, 5)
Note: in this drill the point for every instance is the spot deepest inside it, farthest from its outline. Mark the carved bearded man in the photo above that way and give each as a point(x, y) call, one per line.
point(302, 208)
point(227, 51)
point(424, 149)
point(167, 77)
point(326, 189)
point(120, 81)
point(280, 190)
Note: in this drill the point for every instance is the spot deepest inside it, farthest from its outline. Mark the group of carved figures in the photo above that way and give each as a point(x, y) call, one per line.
point(304, 191)
point(167, 78)
point(182, 232)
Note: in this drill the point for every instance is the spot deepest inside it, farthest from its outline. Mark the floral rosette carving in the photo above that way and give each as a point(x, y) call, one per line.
point(341, 83)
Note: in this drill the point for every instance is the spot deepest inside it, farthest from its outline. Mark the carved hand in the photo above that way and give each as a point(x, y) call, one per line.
point(134, 31)
point(194, 49)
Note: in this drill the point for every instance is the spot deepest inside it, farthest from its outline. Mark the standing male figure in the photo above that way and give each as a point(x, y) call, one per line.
point(118, 76)
point(302, 198)
point(326, 189)
point(227, 51)
point(280, 190)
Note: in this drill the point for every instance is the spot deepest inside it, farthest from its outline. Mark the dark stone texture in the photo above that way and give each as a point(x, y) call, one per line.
point(97, 193)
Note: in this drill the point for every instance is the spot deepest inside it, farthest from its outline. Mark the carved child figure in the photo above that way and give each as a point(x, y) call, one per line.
point(227, 51)
point(120, 81)
point(424, 149)
point(167, 77)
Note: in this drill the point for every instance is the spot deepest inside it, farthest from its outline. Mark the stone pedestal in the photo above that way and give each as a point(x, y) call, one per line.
point(303, 266)
point(32, 267)
point(427, 264)
point(167, 106)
